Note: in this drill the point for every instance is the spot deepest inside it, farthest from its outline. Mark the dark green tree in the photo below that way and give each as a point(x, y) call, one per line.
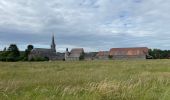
point(13, 53)
point(159, 54)
point(27, 51)
point(3, 55)
point(82, 56)
point(30, 47)
point(4, 49)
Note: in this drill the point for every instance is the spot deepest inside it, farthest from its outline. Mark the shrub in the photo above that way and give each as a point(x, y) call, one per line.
point(39, 59)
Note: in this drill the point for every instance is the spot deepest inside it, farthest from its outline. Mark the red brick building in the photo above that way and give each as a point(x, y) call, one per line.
point(129, 53)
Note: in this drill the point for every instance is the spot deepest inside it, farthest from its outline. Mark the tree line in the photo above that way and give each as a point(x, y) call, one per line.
point(159, 54)
point(13, 54)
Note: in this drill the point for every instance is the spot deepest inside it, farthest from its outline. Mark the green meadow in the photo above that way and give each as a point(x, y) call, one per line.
point(86, 80)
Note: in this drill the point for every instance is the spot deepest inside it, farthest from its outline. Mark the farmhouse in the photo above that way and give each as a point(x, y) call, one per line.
point(129, 53)
point(75, 54)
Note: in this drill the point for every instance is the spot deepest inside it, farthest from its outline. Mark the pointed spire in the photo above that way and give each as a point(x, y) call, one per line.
point(53, 40)
point(53, 46)
point(66, 49)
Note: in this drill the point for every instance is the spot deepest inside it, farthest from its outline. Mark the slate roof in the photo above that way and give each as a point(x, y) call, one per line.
point(129, 51)
point(41, 50)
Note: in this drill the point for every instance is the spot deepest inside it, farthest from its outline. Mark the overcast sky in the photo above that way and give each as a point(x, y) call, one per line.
point(91, 24)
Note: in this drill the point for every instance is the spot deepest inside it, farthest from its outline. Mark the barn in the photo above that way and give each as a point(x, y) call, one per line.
point(129, 53)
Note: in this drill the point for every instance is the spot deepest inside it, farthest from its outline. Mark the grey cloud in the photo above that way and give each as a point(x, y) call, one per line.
point(99, 24)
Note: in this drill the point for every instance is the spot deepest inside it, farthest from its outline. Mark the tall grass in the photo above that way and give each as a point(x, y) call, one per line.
point(92, 80)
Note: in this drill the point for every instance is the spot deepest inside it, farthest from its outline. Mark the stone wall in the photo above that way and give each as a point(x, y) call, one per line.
point(129, 57)
point(72, 59)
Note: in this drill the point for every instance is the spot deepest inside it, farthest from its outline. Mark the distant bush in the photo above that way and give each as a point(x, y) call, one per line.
point(11, 54)
point(159, 54)
point(82, 56)
point(27, 52)
point(110, 56)
point(39, 59)
point(2, 58)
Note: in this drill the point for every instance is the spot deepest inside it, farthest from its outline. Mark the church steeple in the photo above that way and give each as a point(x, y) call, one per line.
point(53, 46)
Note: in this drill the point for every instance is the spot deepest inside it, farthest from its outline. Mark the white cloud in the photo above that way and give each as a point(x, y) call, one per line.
point(100, 19)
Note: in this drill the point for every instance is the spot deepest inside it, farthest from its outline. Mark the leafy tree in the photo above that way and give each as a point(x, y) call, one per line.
point(159, 54)
point(110, 56)
point(30, 47)
point(13, 53)
point(13, 50)
point(82, 56)
point(4, 49)
point(27, 51)
point(3, 56)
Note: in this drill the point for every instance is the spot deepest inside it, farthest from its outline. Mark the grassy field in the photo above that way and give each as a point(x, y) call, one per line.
point(92, 80)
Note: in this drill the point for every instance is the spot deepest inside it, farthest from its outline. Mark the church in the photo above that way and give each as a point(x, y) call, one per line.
point(52, 55)
point(49, 54)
